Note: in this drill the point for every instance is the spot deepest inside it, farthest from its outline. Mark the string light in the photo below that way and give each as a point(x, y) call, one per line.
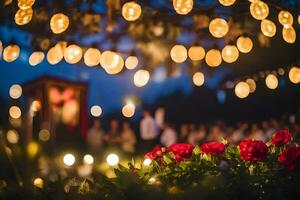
point(141, 78)
point(15, 112)
point(131, 62)
point(213, 58)
point(44, 135)
point(23, 16)
point(252, 84)
point(36, 58)
point(88, 159)
point(227, 2)
point(230, 53)
point(112, 62)
point(38, 182)
point(218, 27)
point(147, 162)
point(12, 136)
point(244, 44)
point(69, 159)
point(242, 90)
point(73, 54)
point(285, 18)
point(272, 81)
point(198, 78)
point(92, 57)
point(196, 53)
point(32, 149)
point(112, 159)
point(178, 53)
point(289, 34)
point(96, 111)
point(259, 10)
point(268, 28)
point(59, 23)
point(11, 53)
point(131, 11)
point(183, 7)
point(128, 110)
point(294, 75)
point(25, 4)
point(15, 91)
point(55, 55)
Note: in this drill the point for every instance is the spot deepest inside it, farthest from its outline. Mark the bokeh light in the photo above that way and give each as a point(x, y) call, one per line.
point(12, 136)
point(141, 78)
point(59, 23)
point(112, 159)
point(244, 44)
point(230, 53)
point(196, 53)
point(128, 110)
point(213, 58)
point(147, 162)
point(44, 135)
point(36, 58)
point(183, 7)
point(15, 91)
point(23, 16)
point(272, 81)
point(259, 10)
point(131, 62)
point(11, 53)
point(69, 159)
point(15, 112)
point(242, 90)
point(73, 54)
point(294, 75)
point(268, 28)
point(131, 11)
point(289, 34)
point(88, 159)
point(38, 182)
point(96, 111)
point(198, 79)
point(218, 27)
point(178, 53)
point(92, 57)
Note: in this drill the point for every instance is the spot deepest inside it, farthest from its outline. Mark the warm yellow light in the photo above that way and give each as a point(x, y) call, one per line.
point(32, 149)
point(294, 75)
point(259, 10)
point(36, 58)
point(128, 110)
point(73, 54)
point(178, 53)
point(141, 78)
point(147, 162)
point(59, 23)
point(55, 55)
point(23, 16)
point(24, 4)
point(227, 2)
point(244, 44)
point(69, 159)
point(196, 53)
point(131, 11)
point(183, 7)
point(92, 57)
point(38, 182)
point(298, 19)
point(15, 112)
point(213, 58)
point(15, 91)
point(88, 159)
point(96, 111)
point(131, 62)
point(285, 18)
point(198, 78)
point(112, 62)
point(12, 136)
point(242, 90)
point(35, 106)
point(272, 81)
point(289, 34)
point(44, 135)
point(11, 53)
point(268, 28)
point(252, 84)
point(218, 27)
point(230, 53)
point(112, 159)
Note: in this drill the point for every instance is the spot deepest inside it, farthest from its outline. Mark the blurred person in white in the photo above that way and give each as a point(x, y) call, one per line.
point(148, 131)
point(256, 133)
point(128, 138)
point(95, 137)
point(169, 136)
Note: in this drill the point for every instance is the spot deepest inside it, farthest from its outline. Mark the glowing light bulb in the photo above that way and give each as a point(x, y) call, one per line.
point(227, 2)
point(131, 11)
point(36, 58)
point(25, 4)
point(183, 7)
point(112, 159)
point(289, 34)
point(244, 44)
point(55, 55)
point(73, 54)
point(11, 53)
point(12, 136)
point(196, 53)
point(23, 16)
point(69, 159)
point(59, 23)
point(294, 75)
point(92, 57)
point(242, 90)
point(141, 78)
point(213, 58)
point(178, 53)
point(272, 81)
point(15, 112)
point(131, 62)
point(285, 18)
point(128, 110)
point(15, 91)
point(96, 111)
point(268, 28)
point(252, 84)
point(218, 27)
point(259, 10)
point(38, 182)
point(230, 53)
point(88, 159)
point(112, 62)
point(198, 78)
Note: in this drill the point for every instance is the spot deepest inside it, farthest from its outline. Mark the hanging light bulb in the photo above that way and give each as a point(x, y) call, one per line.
point(112, 62)
point(128, 110)
point(268, 28)
point(118, 67)
point(92, 57)
point(55, 55)
point(289, 34)
point(73, 54)
point(242, 90)
point(183, 7)
point(23, 17)
point(198, 79)
point(178, 53)
point(252, 84)
point(272, 81)
point(11, 53)
point(227, 2)
point(230, 53)
point(141, 78)
point(218, 27)
point(59, 23)
point(244, 44)
point(15, 112)
point(36, 58)
point(259, 10)
point(15, 91)
point(213, 58)
point(196, 53)
point(294, 75)
point(131, 11)
point(25, 4)
point(285, 18)
point(131, 62)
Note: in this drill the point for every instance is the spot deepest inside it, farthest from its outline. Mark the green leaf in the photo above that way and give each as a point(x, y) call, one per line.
point(196, 150)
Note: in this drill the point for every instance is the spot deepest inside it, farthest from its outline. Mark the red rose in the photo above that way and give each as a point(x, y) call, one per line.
point(158, 150)
point(290, 158)
point(253, 150)
point(281, 137)
point(213, 148)
point(181, 151)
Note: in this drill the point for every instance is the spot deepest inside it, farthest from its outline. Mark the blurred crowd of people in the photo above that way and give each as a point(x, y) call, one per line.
point(154, 130)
